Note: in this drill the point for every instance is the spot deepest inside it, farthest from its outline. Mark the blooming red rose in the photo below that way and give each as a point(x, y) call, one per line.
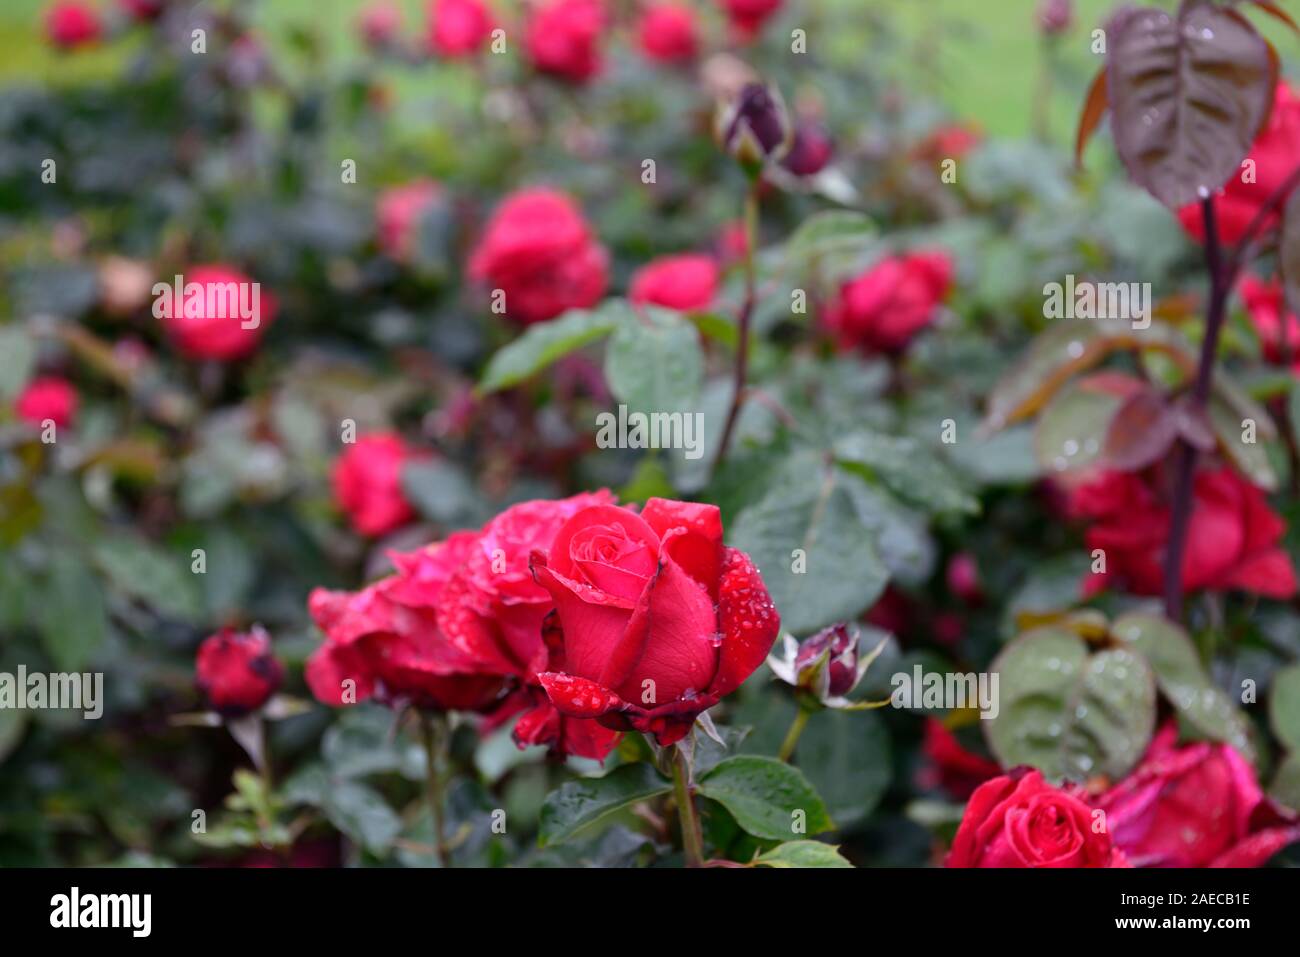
point(685, 283)
point(1233, 540)
point(748, 16)
point(367, 482)
point(47, 397)
point(811, 150)
point(398, 212)
point(209, 321)
point(458, 28)
point(1266, 306)
point(949, 765)
point(379, 23)
point(659, 619)
point(540, 252)
point(236, 671)
point(1272, 158)
point(563, 38)
point(1195, 806)
point(882, 309)
point(1019, 820)
point(668, 32)
point(70, 24)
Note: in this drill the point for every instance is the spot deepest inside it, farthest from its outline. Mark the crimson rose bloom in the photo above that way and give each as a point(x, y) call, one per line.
point(881, 310)
point(1196, 806)
point(1019, 820)
point(220, 336)
point(668, 33)
point(1274, 154)
point(47, 397)
point(659, 619)
point(1233, 540)
point(367, 482)
point(397, 216)
point(1277, 327)
point(949, 765)
point(236, 671)
point(748, 16)
point(70, 24)
point(685, 283)
point(541, 253)
point(458, 28)
point(563, 38)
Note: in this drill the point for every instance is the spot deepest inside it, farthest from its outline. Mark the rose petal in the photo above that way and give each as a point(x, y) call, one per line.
point(747, 621)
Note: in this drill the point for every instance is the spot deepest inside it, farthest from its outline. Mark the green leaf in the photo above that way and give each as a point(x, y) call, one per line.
point(830, 231)
point(440, 490)
point(1071, 432)
point(74, 621)
point(802, 854)
point(1285, 788)
point(907, 469)
point(580, 803)
point(150, 574)
point(818, 560)
point(1184, 681)
point(1070, 714)
point(361, 813)
point(768, 798)
point(545, 342)
point(1284, 706)
point(1250, 458)
point(17, 359)
point(846, 757)
point(654, 363)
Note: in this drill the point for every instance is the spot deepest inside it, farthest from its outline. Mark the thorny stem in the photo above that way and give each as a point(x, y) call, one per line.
point(792, 736)
point(692, 836)
point(431, 729)
point(746, 314)
point(1185, 463)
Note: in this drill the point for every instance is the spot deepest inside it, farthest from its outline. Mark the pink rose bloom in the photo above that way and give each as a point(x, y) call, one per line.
point(212, 327)
point(458, 28)
point(563, 38)
point(367, 482)
point(47, 397)
point(668, 33)
point(885, 307)
point(685, 283)
point(70, 24)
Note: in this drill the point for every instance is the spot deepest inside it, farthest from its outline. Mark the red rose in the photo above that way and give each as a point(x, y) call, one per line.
point(685, 283)
point(963, 577)
point(947, 142)
point(1019, 820)
point(748, 16)
point(811, 150)
point(1195, 806)
point(212, 325)
point(458, 28)
point(1274, 154)
point(563, 38)
point(949, 765)
point(881, 310)
point(398, 213)
point(668, 33)
point(47, 397)
point(143, 10)
point(1233, 540)
point(379, 23)
point(659, 619)
point(1266, 306)
point(368, 483)
point(70, 24)
point(236, 670)
point(539, 251)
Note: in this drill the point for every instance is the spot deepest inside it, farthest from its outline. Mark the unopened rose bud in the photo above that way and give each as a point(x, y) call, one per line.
point(755, 127)
point(825, 667)
point(811, 150)
point(236, 671)
point(1055, 16)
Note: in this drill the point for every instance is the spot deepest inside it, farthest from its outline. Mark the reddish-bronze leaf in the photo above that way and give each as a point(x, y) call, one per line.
point(1188, 93)
point(1094, 108)
point(1141, 432)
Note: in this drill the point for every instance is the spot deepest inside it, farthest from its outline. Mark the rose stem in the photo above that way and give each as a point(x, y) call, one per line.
point(792, 736)
point(1186, 456)
point(431, 732)
point(746, 313)
point(692, 837)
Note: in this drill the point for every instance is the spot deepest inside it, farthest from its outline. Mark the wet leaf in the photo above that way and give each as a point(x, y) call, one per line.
point(802, 854)
point(1142, 431)
point(767, 797)
point(582, 802)
point(545, 342)
point(654, 362)
point(1071, 431)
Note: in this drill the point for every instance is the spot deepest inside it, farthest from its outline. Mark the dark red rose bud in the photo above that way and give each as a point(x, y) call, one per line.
point(236, 671)
point(842, 665)
point(756, 126)
point(1055, 16)
point(963, 577)
point(811, 150)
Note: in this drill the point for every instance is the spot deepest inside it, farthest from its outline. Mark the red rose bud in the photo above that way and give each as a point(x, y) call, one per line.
point(1263, 172)
point(748, 16)
point(70, 24)
point(47, 398)
point(379, 24)
point(1055, 16)
point(685, 283)
point(1195, 806)
point(458, 28)
point(1019, 820)
point(367, 482)
point(668, 33)
point(963, 577)
point(811, 150)
point(540, 253)
point(398, 213)
point(825, 667)
point(885, 307)
point(214, 312)
point(563, 38)
point(659, 620)
point(755, 126)
point(236, 671)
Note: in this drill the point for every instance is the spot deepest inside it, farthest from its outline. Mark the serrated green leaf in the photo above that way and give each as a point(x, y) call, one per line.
point(802, 854)
point(1284, 706)
point(654, 363)
point(151, 574)
point(768, 798)
point(907, 469)
point(545, 342)
point(828, 232)
point(578, 804)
